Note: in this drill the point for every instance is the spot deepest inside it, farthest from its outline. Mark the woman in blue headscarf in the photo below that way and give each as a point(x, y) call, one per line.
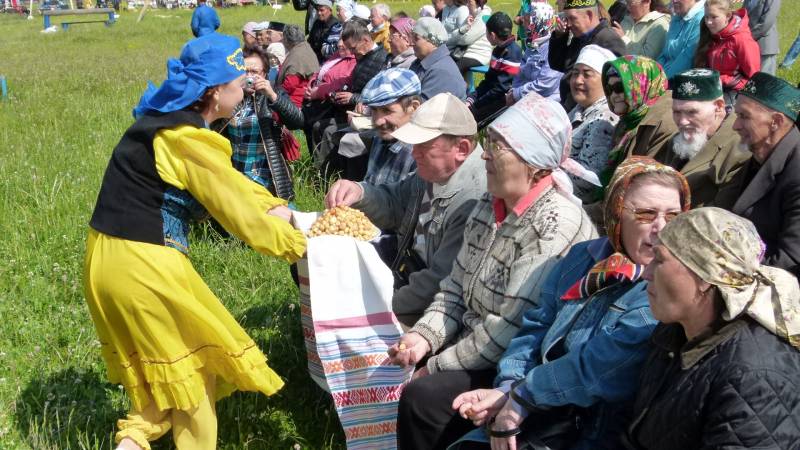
point(164, 335)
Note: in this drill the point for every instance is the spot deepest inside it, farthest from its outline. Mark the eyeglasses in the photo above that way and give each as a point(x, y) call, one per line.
point(493, 148)
point(616, 88)
point(649, 215)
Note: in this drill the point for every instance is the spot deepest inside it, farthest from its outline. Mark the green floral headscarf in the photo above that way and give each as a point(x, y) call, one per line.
point(644, 82)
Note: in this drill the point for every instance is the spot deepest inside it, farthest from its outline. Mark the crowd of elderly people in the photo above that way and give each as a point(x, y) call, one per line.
point(608, 260)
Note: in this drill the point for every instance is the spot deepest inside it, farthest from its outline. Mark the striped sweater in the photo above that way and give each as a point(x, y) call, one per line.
point(503, 67)
point(496, 277)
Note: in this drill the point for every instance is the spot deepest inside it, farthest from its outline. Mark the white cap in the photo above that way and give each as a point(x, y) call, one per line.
point(362, 12)
point(595, 56)
point(443, 114)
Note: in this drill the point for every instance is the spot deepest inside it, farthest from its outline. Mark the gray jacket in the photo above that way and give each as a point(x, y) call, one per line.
point(764, 24)
point(396, 207)
point(438, 73)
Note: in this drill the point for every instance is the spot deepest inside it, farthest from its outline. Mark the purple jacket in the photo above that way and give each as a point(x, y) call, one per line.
point(535, 74)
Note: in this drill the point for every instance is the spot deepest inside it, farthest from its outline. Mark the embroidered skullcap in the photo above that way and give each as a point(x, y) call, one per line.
point(774, 93)
point(696, 84)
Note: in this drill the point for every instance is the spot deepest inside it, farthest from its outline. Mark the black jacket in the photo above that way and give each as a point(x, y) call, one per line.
point(771, 200)
point(739, 387)
point(319, 33)
point(564, 51)
point(366, 68)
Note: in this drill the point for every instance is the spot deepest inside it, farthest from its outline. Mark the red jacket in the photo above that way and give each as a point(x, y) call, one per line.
point(295, 87)
point(733, 52)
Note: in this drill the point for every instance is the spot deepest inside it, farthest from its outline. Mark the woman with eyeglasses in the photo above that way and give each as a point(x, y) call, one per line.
point(255, 130)
point(512, 240)
point(567, 378)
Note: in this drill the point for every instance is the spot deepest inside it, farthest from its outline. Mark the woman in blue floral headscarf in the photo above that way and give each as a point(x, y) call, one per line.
point(164, 335)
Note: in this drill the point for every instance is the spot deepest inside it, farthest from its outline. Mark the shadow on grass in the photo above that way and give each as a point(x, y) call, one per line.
point(66, 410)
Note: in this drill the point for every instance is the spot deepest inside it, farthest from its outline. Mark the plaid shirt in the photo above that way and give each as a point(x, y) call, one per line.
point(248, 154)
point(389, 162)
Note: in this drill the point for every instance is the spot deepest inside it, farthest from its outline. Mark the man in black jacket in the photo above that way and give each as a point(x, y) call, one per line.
point(769, 185)
point(580, 27)
point(321, 35)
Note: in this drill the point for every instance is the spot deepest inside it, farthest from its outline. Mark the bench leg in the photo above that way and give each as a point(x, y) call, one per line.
point(64, 26)
point(46, 22)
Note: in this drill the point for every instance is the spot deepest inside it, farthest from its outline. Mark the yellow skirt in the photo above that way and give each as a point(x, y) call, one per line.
point(161, 328)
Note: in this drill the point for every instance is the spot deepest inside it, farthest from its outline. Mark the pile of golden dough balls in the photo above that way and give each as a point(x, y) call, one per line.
point(344, 221)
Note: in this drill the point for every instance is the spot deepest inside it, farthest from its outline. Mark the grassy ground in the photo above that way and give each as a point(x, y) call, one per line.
point(70, 96)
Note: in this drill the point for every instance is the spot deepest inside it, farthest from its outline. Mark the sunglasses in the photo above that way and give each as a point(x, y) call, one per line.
point(616, 88)
point(649, 215)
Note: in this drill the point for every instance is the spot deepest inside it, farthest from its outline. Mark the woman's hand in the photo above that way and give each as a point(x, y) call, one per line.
point(507, 419)
point(479, 405)
point(281, 212)
point(410, 350)
point(262, 85)
point(310, 92)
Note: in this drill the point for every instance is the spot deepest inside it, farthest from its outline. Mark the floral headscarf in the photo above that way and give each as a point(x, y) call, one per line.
point(538, 19)
point(725, 250)
point(621, 182)
point(618, 267)
point(644, 82)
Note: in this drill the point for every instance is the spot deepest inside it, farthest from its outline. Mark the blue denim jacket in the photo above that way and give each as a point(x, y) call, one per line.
point(606, 340)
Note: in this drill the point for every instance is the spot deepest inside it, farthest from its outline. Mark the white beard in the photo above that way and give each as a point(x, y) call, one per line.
point(687, 149)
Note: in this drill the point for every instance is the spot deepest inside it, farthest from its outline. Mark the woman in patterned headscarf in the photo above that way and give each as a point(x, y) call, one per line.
point(578, 353)
point(725, 368)
point(632, 85)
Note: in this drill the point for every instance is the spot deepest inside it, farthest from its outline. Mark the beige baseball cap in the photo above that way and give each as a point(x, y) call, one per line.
point(441, 114)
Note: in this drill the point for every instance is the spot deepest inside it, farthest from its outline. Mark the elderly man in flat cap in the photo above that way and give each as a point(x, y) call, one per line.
point(434, 66)
point(705, 148)
point(768, 187)
point(429, 209)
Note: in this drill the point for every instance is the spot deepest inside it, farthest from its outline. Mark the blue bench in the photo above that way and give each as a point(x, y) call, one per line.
point(471, 77)
point(78, 12)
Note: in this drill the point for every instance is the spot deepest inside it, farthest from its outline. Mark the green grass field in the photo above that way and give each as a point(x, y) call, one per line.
point(70, 97)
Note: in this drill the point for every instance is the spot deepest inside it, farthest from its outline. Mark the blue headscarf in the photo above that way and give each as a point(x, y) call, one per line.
point(205, 62)
point(204, 21)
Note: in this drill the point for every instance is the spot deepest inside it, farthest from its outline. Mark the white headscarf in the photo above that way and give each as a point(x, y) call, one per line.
point(539, 131)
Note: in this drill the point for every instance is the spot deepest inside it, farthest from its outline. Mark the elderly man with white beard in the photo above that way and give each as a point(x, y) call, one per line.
point(705, 148)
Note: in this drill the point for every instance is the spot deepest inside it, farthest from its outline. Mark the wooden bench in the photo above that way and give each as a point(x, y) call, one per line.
point(78, 12)
point(471, 76)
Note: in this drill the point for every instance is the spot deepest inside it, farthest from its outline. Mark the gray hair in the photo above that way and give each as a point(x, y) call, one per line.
point(383, 9)
point(292, 35)
point(354, 29)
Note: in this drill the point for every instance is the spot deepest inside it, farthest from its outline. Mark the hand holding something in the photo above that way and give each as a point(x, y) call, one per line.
point(479, 405)
point(281, 212)
point(561, 25)
point(510, 100)
point(342, 98)
point(263, 86)
point(343, 193)
point(410, 350)
point(617, 29)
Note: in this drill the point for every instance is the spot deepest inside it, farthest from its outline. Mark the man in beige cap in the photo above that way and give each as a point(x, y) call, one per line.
point(428, 210)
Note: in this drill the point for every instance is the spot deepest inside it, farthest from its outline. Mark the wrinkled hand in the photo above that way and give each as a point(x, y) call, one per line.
point(506, 419)
point(617, 29)
point(561, 25)
point(410, 350)
point(263, 86)
point(479, 405)
point(342, 98)
point(309, 93)
point(281, 212)
point(360, 108)
point(343, 193)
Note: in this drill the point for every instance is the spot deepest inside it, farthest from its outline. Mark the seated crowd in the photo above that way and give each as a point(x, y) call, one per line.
point(595, 247)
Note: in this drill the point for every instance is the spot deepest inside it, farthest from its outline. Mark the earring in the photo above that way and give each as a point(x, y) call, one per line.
point(216, 107)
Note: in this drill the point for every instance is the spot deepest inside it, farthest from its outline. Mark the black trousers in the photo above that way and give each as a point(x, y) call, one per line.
point(426, 419)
